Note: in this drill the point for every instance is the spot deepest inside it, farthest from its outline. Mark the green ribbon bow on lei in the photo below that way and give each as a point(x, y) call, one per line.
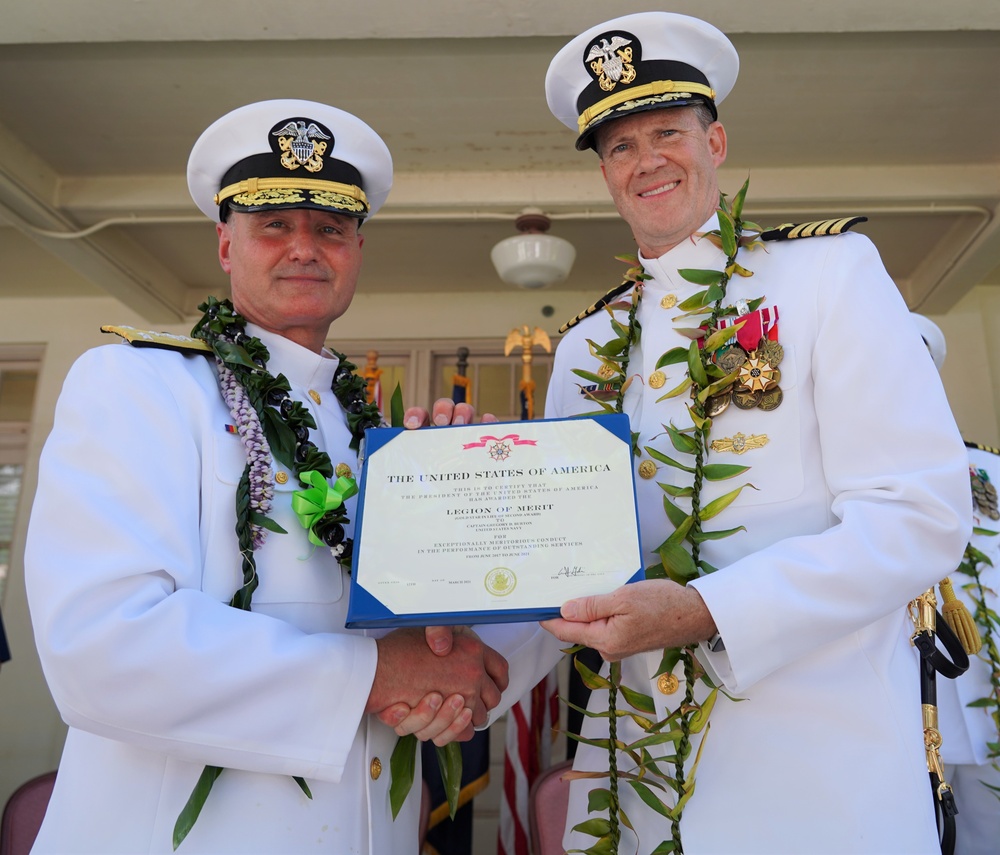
point(312, 504)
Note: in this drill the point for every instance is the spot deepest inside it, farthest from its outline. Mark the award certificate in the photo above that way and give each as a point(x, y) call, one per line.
point(492, 523)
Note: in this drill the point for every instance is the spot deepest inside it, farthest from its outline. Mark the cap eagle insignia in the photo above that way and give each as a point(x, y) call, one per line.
point(297, 141)
point(611, 65)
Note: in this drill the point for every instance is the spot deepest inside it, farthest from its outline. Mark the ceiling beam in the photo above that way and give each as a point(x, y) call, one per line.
point(947, 279)
point(112, 261)
point(54, 21)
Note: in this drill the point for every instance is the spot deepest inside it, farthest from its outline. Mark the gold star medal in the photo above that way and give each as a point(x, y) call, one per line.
point(747, 400)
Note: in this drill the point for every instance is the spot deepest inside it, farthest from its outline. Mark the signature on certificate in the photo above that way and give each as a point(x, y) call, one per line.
point(570, 571)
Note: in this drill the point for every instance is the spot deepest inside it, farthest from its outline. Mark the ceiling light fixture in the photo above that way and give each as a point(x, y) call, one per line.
point(532, 259)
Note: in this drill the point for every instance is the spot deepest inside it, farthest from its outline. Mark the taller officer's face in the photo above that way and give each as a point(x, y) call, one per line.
point(660, 167)
point(293, 271)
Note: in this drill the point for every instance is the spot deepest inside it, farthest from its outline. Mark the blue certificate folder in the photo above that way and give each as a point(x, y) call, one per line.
point(492, 523)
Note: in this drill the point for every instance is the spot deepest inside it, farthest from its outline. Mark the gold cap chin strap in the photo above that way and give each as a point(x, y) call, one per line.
point(657, 87)
point(255, 185)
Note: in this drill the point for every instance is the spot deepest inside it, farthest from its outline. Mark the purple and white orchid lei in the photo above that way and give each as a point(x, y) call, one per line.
point(258, 451)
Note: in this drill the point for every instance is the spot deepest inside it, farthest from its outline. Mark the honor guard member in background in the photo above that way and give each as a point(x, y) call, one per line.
point(969, 705)
point(799, 568)
point(183, 634)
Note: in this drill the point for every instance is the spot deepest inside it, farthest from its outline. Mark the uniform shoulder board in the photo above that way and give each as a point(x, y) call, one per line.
point(149, 338)
point(981, 447)
point(596, 307)
point(817, 228)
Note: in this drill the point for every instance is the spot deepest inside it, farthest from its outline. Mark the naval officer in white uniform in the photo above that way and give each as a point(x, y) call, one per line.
point(856, 498)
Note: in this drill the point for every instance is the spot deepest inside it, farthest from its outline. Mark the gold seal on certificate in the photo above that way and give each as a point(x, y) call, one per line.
point(500, 581)
point(494, 522)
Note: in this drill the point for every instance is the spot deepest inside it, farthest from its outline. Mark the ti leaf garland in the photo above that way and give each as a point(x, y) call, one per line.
point(988, 622)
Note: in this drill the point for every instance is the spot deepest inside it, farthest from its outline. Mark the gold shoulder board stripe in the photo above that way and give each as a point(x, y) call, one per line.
point(600, 304)
point(149, 338)
point(817, 228)
point(982, 447)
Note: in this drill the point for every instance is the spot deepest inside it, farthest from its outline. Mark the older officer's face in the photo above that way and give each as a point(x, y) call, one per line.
point(660, 167)
point(293, 270)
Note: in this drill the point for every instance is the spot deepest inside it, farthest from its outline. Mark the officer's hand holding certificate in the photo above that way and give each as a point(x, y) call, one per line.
point(493, 522)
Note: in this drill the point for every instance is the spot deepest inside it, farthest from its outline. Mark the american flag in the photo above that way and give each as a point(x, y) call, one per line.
point(528, 752)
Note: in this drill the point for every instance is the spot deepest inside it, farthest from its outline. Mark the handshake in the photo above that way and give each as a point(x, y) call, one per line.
point(437, 683)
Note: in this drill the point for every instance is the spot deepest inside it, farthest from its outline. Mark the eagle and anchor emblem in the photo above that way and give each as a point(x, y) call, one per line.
point(302, 144)
point(611, 61)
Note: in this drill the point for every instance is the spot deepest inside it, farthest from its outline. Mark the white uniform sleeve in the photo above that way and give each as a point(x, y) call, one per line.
point(895, 472)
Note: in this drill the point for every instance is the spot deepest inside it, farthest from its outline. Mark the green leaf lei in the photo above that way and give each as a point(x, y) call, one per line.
point(680, 554)
point(988, 622)
point(285, 425)
point(276, 425)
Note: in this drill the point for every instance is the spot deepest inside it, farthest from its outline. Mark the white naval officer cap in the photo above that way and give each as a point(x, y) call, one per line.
point(638, 62)
point(289, 153)
point(931, 333)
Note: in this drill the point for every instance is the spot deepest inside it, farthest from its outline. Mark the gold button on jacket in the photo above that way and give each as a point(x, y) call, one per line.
point(667, 683)
point(376, 768)
point(647, 469)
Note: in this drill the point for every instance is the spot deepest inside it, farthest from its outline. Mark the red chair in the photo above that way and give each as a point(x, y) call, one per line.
point(548, 802)
point(22, 816)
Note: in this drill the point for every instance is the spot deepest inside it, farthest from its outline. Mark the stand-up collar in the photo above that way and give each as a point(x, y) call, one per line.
point(693, 252)
point(303, 368)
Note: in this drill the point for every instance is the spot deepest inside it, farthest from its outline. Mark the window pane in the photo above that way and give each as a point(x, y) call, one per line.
point(17, 392)
point(10, 489)
point(495, 391)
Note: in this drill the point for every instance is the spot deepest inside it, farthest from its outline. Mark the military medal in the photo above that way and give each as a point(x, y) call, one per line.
point(756, 374)
point(771, 399)
point(746, 400)
point(771, 351)
point(753, 353)
point(718, 404)
point(984, 494)
point(730, 359)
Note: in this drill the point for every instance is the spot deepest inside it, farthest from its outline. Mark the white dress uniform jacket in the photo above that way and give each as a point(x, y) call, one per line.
point(965, 730)
point(859, 503)
point(131, 561)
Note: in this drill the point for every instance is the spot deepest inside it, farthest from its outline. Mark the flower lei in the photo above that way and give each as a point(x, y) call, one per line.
point(271, 425)
point(710, 379)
